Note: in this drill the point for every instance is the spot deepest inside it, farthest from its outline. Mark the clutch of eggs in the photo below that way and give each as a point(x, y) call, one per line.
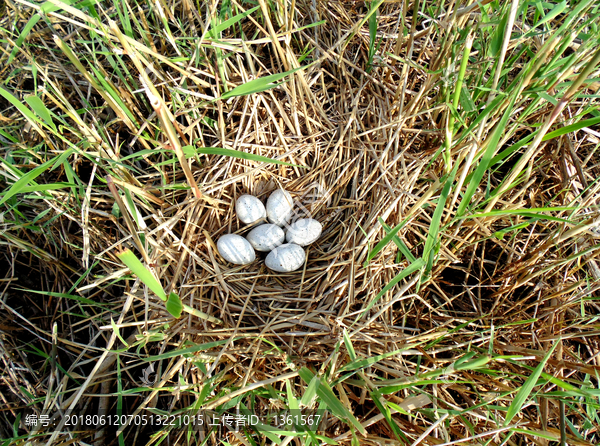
point(304, 231)
point(236, 249)
point(249, 209)
point(270, 237)
point(279, 207)
point(266, 237)
point(286, 258)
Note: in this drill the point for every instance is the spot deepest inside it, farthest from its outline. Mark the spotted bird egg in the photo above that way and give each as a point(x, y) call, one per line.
point(249, 209)
point(236, 249)
point(279, 207)
point(304, 231)
point(266, 237)
point(286, 258)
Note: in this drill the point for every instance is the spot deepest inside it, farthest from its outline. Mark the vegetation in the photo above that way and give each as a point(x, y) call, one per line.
point(449, 149)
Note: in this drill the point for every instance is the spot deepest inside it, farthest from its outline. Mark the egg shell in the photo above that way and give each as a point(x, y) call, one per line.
point(279, 207)
point(236, 249)
point(266, 237)
point(286, 258)
point(249, 209)
point(304, 231)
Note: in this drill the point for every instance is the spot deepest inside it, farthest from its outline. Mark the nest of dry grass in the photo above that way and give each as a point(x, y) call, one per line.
point(78, 329)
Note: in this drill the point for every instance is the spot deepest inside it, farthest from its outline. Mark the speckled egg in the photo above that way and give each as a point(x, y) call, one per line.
point(279, 207)
point(286, 258)
point(304, 231)
point(266, 237)
point(249, 209)
point(236, 249)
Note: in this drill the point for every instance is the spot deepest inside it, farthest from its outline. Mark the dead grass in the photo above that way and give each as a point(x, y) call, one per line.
point(506, 278)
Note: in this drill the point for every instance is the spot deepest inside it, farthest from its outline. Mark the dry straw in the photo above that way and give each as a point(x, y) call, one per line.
point(451, 298)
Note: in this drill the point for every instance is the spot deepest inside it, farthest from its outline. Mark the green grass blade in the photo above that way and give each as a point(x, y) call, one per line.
point(21, 107)
point(174, 305)
point(372, 36)
point(46, 8)
point(362, 363)
point(45, 187)
point(232, 21)
point(468, 363)
point(138, 268)
point(80, 299)
point(532, 215)
point(311, 392)
point(387, 390)
point(8, 136)
point(239, 154)
point(434, 227)
point(385, 411)
point(466, 101)
point(24, 33)
point(399, 243)
point(187, 350)
point(258, 85)
point(486, 158)
point(117, 332)
point(508, 151)
point(24, 181)
point(417, 265)
point(42, 111)
point(372, 10)
point(527, 388)
point(502, 232)
point(292, 400)
point(571, 128)
point(333, 404)
point(384, 241)
point(115, 96)
point(491, 107)
point(349, 346)
point(336, 406)
point(531, 212)
point(558, 9)
point(498, 35)
point(124, 17)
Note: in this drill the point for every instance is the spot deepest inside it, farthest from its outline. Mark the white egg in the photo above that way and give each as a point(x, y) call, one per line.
point(304, 231)
point(266, 237)
point(249, 209)
point(279, 207)
point(236, 249)
point(286, 258)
